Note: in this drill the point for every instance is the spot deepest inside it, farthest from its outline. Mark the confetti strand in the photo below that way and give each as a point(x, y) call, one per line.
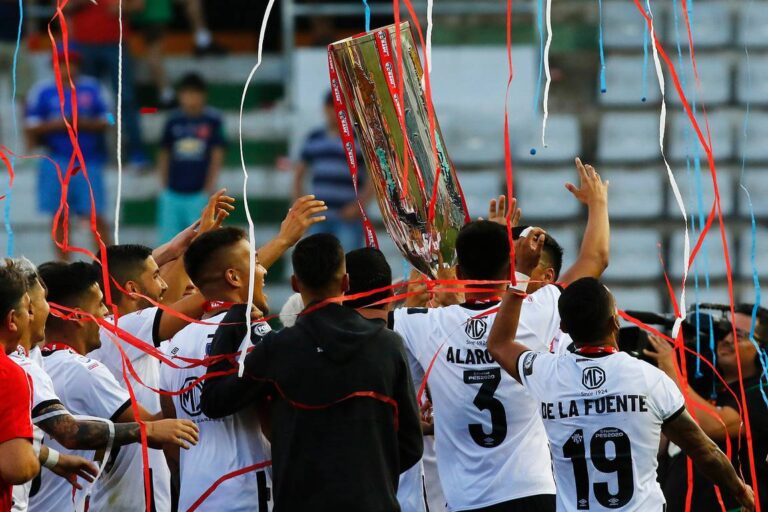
point(251, 229)
point(119, 121)
point(507, 149)
point(367, 15)
point(428, 48)
point(15, 121)
point(603, 87)
point(540, 30)
point(644, 79)
point(548, 17)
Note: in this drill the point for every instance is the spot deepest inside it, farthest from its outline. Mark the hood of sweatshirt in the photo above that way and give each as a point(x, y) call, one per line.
point(338, 331)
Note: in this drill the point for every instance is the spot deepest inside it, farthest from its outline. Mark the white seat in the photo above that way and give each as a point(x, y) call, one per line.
point(623, 25)
point(684, 143)
point(643, 298)
point(710, 260)
point(752, 80)
point(634, 254)
point(563, 138)
point(711, 25)
point(624, 82)
point(755, 149)
point(761, 253)
point(756, 183)
point(714, 76)
point(541, 194)
point(752, 25)
point(698, 192)
point(479, 187)
point(628, 137)
point(625, 200)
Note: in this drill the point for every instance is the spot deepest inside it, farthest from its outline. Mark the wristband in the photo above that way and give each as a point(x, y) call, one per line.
point(52, 460)
point(522, 283)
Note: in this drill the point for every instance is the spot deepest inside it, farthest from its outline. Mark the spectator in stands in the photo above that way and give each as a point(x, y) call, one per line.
point(190, 159)
point(45, 126)
point(96, 27)
point(722, 421)
point(323, 156)
point(9, 31)
point(204, 43)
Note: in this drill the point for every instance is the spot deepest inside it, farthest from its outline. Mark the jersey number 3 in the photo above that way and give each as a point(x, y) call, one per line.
point(489, 381)
point(620, 463)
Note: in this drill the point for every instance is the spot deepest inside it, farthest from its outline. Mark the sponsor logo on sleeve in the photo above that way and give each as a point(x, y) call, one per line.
point(530, 357)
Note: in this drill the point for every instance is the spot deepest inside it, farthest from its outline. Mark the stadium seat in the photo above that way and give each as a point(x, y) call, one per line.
point(692, 187)
point(563, 138)
point(761, 253)
point(626, 137)
point(479, 187)
point(752, 80)
point(634, 254)
point(710, 260)
point(542, 194)
point(684, 142)
point(752, 25)
point(624, 82)
point(635, 194)
point(644, 298)
point(714, 76)
point(623, 25)
point(756, 183)
point(472, 138)
point(710, 21)
point(754, 150)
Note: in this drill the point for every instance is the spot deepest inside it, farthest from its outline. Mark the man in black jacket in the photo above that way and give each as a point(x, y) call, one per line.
point(344, 417)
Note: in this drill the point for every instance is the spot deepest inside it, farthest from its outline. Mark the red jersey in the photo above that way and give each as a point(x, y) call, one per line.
point(97, 23)
point(15, 411)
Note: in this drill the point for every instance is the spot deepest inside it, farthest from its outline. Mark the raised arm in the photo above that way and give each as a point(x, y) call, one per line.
point(595, 247)
point(501, 340)
point(708, 458)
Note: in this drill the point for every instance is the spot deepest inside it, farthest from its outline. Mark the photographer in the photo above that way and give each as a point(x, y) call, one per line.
point(721, 421)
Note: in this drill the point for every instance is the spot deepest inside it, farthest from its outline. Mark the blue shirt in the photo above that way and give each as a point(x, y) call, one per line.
point(43, 105)
point(189, 141)
point(327, 161)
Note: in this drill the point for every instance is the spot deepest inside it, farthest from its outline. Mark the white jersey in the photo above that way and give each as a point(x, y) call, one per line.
point(85, 387)
point(226, 444)
point(489, 436)
point(143, 325)
point(43, 395)
point(603, 417)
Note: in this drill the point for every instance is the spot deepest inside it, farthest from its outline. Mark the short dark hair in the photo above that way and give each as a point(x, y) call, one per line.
point(192, 82)
point(200, 255)
point(125, 263)
point(482, 250)
point(552, 250)
point(67, 282)
point(368, 270)
point(13, 286)
point(586, 311)
point(316, 259)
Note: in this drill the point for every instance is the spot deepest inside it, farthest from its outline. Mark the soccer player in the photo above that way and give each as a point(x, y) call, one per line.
point(86, 387)
point(48, 413)
point(218, 264)
point(603, 411)
point(331, 449)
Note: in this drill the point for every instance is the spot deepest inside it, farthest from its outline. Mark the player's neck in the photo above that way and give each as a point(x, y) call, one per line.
point(374, 313)
point(7, 344)
point(493, 293)
point(66, 338)
point(732, 374)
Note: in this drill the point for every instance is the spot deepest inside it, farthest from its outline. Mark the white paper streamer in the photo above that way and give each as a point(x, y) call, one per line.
point(670, 175)
point(82, 496)
point(119, 122)
point(548, 16)
point(251, 231)
point(428, 50)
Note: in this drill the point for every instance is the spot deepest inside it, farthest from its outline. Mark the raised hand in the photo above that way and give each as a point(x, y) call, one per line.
point(301, 216)
point(216, 211)
point(662, 353)
point(70, 467)
point(498, 212)
point(591, 189)
point(182, 433)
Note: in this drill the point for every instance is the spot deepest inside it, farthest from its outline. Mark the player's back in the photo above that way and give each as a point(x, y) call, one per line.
point(488, 432)
point(226, 444)
point(603, 415)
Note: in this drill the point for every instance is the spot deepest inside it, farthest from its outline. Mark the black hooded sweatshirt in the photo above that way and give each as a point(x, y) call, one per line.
point(342, 457)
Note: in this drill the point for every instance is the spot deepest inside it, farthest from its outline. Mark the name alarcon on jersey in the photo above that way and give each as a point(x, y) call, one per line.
point(468, 356)
point(593, 406)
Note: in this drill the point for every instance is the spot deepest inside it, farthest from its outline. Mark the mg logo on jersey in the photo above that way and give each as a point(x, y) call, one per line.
point(476, 328)
point(190, 399)
point(593, 377)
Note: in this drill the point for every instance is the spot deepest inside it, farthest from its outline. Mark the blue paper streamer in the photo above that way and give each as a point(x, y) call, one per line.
point(367, 16)
point(603, 87)
point(9, 194)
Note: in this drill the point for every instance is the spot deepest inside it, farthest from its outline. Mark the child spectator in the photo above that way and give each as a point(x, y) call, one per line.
point(191, 154)
point(45, 126)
